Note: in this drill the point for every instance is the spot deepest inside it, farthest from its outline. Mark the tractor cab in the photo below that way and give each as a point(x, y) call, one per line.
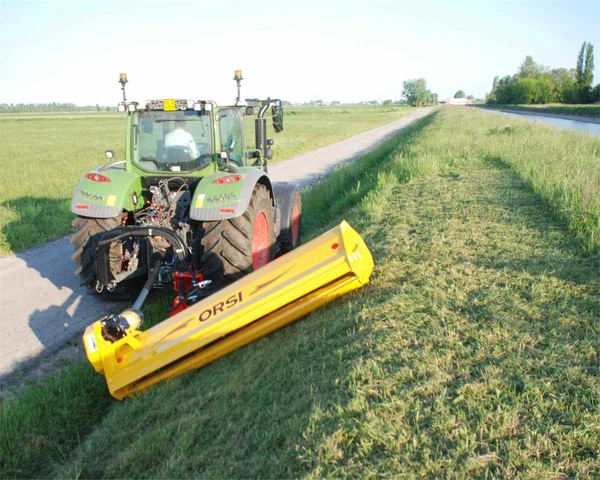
point(183, 137)
point(166, 141)
point(187, 136)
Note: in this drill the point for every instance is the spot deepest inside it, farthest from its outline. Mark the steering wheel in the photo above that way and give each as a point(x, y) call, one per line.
point(177, 154)
point(151, 160)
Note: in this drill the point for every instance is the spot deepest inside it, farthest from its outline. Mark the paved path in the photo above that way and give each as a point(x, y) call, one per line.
point(42, 305)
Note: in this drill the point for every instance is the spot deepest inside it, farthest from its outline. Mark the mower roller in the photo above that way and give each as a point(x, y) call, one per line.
point(284, 290)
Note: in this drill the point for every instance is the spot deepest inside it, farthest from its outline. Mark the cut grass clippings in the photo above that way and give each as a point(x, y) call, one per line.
point(42, 159)
point(474, 351)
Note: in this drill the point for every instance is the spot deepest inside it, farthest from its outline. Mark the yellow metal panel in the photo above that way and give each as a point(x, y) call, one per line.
point(284, 290)
point(169, 105)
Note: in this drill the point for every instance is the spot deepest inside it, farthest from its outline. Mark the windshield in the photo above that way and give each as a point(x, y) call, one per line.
point(172, 141)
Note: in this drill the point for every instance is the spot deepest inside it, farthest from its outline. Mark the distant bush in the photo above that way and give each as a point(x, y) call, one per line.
point(538, 84)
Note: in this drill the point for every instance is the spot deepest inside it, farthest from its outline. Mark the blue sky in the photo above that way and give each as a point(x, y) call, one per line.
point(73, 51)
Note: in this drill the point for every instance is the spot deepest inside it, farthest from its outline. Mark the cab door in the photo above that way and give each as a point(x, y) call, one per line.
point(233, 135)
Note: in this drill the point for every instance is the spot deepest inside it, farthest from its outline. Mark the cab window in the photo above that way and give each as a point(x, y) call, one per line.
point(233, 135)
point(171, 141)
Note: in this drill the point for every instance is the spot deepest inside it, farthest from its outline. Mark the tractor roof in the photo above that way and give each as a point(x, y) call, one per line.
point(168, 105)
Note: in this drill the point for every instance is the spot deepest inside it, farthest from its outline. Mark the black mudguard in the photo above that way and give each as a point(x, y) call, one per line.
point(284, 196)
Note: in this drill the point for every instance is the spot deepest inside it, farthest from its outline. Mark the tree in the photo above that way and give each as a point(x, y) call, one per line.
point(504, 92)
point(584, 72)
point(495, 83)
point(596, 93)
point(524, 91)
point(564, 84)
point(459, 94)
point(580, 67)
point(414, 91)
point(530, 69)
point(387, 102)
point(470, 97)
point(588, 72)
point(545, 90)
point(434, 98)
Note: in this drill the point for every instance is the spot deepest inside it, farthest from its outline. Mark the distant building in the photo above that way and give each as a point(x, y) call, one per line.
point(458, 101)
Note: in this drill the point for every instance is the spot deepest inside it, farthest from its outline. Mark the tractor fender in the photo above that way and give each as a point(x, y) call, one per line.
point(284, 201)
point(213, 202)
point(118, 190)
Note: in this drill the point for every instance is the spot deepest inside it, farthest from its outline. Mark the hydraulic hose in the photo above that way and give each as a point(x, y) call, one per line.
point(129, 231)
point(147, 287)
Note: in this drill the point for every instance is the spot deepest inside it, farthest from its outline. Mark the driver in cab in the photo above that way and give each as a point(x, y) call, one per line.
point(179, 137)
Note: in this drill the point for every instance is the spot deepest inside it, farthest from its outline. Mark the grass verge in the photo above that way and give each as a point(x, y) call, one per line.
point(43, 158)
point(577, 110)
point(474, 352)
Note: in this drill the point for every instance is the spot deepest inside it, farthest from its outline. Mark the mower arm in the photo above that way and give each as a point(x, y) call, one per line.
point(277, 294)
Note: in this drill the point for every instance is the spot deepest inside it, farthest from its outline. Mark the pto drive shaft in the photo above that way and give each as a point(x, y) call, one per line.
point(115, 327)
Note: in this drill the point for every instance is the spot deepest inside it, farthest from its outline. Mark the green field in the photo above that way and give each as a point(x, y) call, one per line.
point(42, 158)
point(474, 351)
point(580, 110)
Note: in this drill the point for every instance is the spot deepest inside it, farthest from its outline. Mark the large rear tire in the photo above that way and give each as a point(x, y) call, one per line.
point(88, 231)
point(238, 246)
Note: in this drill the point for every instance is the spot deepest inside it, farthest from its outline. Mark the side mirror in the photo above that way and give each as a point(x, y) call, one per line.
point(109, 154)
point(250, 111)
point(277, 112)
point(230, 145)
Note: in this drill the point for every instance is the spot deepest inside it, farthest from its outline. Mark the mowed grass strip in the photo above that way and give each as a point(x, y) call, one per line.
point(474, 351)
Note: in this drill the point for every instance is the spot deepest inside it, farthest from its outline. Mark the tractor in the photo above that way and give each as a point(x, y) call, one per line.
point(191, 204)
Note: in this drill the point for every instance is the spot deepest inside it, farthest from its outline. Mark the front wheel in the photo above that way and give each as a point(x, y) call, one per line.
point(238, 246)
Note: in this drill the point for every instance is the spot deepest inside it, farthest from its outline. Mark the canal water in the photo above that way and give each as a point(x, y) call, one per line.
point(591, 128)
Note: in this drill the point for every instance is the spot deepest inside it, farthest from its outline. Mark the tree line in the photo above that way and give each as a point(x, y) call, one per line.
point(535, 83)
point(51, 107)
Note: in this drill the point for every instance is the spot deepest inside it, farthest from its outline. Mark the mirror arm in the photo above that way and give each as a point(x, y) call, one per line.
point(259, 160)
point(227, 167)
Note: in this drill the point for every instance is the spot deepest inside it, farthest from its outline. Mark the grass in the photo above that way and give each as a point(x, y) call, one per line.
point(582, 110)
point(42, 160)
point(474, 351)
point(561, 166)
point(49, 419)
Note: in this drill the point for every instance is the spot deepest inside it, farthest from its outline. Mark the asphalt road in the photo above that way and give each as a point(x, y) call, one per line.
point(42, 305)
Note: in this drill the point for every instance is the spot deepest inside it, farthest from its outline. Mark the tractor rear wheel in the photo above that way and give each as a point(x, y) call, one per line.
point(237, 246)
point(87, 233)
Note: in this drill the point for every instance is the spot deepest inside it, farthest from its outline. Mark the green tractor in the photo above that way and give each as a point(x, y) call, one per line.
point(191, 203)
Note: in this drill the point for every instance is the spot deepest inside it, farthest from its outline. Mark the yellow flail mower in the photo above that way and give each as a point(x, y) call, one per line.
point(284, 290)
